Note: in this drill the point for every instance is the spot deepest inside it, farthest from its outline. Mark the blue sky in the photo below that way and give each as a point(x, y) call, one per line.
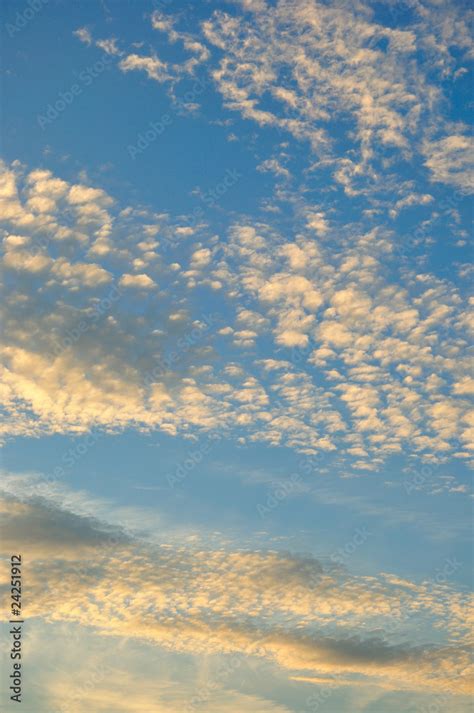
point(237, 333)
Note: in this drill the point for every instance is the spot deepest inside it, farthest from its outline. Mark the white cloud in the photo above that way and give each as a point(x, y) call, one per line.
point(154, 67)
point(84, 194)
point(451, 160)
point(109, 46)
point(84, 35)
point(140, 281)
point(272, 165)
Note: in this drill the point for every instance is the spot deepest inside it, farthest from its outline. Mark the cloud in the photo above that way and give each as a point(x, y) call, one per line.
point(86, 194)
point(412, 199)
point(86, 334)
point(322, 73)
point(208, 601)
point(272, 165)
point(161, 698)
point(80, 274)
point(109, 46)
point(166, 24)
point(200, 258)
point(50, 532)
point(22, 260)
point(336, 310)
point(141, 281)
point(369, 357)
point(329, 334)
point(304, 68)
point(464, 386)
point(154, 67)
point(84, 35)
point(451, 161)
point(88, 677)
point(380, 86)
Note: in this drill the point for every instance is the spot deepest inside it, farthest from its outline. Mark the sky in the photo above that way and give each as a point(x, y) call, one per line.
point(236, 359)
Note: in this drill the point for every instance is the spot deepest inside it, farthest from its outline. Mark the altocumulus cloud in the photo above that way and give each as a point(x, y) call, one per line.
point(358, 362)
point(198, 600)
